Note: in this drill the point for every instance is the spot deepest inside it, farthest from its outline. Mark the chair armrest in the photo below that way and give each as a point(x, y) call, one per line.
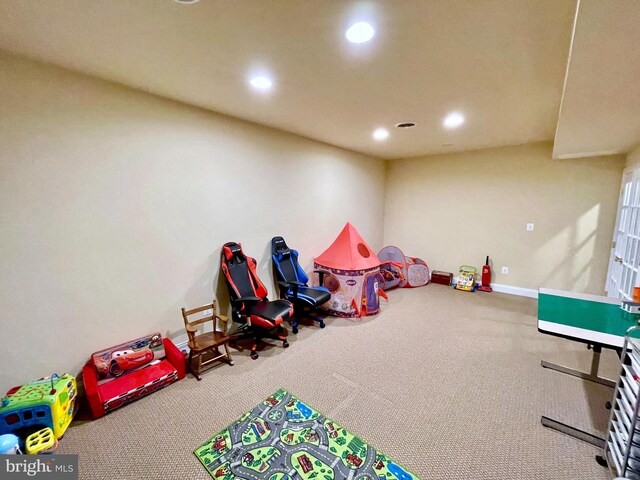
point(284, 288)
point(290, 283)
point(175, 357)
point(321, 274)
point(191, 328)
point(247, 299)
point(224, 322)
point(294, 286)
point(90, 381)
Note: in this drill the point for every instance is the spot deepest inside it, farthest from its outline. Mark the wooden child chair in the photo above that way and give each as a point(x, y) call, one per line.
point(206, 342)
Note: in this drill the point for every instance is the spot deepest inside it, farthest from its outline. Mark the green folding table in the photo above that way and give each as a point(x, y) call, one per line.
point(597, 321)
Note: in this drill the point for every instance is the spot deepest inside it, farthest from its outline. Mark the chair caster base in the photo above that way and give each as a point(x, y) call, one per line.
point(285, 344)
point(254, 355)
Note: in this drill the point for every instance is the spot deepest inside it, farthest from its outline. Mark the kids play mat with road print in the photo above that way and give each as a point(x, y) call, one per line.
point(285, 439)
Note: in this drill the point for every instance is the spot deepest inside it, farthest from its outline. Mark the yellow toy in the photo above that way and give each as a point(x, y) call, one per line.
point(41, 441)
point(467, 278)
point(47, 402)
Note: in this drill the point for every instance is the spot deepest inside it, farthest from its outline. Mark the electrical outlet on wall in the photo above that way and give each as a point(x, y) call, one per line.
point(529, 227)
point(505, 270)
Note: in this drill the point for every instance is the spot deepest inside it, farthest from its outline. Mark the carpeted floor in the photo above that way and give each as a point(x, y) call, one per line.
point(446, 383)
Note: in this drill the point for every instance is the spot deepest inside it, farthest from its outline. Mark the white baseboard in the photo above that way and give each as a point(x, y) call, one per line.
point(182, 346)
point(521, 292)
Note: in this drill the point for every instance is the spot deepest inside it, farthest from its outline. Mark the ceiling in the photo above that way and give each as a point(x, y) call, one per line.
point(501, 63)
point(600, 111)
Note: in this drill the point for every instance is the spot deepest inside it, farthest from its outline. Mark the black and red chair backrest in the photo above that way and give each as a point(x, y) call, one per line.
point(240, 273)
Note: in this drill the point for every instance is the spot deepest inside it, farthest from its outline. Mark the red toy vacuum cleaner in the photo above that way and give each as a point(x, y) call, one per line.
point(486, 277)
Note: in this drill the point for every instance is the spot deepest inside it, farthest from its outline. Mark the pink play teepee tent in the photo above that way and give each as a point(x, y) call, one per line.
point(350, 270)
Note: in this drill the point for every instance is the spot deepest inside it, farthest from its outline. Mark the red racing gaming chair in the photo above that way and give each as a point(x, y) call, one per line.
point(249, 304)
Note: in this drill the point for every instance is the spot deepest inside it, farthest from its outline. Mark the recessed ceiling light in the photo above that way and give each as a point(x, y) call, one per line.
point(186, 2)
point(453, 120)
point(360, 32)
point(380, 134)
point(261, 83)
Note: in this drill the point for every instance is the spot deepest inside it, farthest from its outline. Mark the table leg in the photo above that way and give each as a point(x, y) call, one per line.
point(572, 431)
point(591, 376)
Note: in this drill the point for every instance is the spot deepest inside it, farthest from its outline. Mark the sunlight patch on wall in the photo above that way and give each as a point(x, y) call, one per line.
point(577, 242)
point(585, 245)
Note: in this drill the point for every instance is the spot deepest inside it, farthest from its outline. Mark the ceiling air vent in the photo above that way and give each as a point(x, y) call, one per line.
point(405, 125)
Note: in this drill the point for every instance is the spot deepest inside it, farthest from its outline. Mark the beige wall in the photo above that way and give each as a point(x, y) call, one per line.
point(633, 157)
point(455, 209)
point(115, 205)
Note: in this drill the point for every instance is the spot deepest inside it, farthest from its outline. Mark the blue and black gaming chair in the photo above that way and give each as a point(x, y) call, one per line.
point(293, 280)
